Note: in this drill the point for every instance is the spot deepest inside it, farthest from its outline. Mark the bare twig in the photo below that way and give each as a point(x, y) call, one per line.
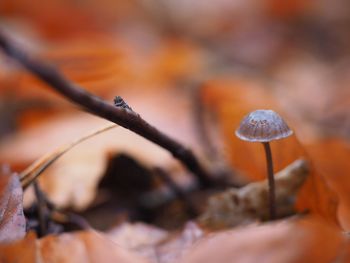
point(200, 120)
point(49, 214)
point(124, 117)
point(42, 209)
point(70, 218)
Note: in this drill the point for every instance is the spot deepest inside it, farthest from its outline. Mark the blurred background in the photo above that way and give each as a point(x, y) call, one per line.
point(161, 56)
point(296, 49)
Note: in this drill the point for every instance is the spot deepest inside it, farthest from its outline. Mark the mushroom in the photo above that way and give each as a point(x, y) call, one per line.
point(265, 126)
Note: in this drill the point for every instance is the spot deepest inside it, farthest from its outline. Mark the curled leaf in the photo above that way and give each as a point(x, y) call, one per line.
point(250, 203)
point(12, 220)
point(34, 170)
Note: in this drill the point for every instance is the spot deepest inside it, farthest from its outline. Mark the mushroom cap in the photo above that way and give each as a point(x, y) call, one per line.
point(263, 126)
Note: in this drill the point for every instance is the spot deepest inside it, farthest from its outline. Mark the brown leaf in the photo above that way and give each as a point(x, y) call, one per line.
point(139, 237)
point(157, 245)
point(21, 251)
point(12, 220)
point(332, 158)
point(250, 203)
point(173, 249)
point(87, 246)
point(35, 169)
point(292, 241)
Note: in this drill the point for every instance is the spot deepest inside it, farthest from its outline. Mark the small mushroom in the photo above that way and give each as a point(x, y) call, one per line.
point(265, 126)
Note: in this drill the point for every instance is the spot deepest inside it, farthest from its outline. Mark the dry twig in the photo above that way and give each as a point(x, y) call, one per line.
point(126, 118)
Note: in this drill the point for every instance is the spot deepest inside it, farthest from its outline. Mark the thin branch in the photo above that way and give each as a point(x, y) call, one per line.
point(48, 214)
point(42, 210)
point(70, 218)
point(199, 119)
point(124, 117)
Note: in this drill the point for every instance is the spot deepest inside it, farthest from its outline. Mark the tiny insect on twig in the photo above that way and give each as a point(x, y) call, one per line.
point(32, 172)
point(120, 102)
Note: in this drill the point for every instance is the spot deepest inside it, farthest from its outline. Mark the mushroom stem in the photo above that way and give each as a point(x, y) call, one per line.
point(271, 180)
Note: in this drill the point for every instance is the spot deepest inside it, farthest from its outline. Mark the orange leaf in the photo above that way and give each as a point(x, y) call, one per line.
point(21, 251)
point(87, 246)
point(332, 158)
point(304, 240)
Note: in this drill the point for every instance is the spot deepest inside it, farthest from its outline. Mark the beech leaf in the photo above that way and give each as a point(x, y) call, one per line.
point(237, 206)
point(12, 220)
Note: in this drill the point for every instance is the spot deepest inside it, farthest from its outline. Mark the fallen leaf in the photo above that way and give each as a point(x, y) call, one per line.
point(65, 19)
point(292, 241)
point(12, 220)
point(332, 157)
point(244, 205)
point(32, 172)
point(173, 249)
point(86, 246)
point(155, 244)
point(288, 10)
point(140, 238)
point(27, 246)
